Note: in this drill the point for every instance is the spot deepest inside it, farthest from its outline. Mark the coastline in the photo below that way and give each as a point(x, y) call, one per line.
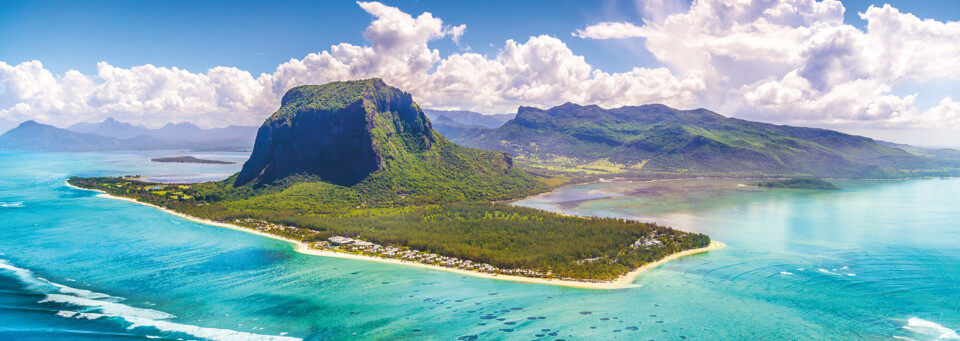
point(304, 248)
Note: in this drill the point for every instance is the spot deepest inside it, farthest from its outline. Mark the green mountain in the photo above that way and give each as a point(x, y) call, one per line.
point(373, 139)
point(659, 139)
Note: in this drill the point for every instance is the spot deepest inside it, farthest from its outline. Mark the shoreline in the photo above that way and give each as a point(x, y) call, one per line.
point(304, 248)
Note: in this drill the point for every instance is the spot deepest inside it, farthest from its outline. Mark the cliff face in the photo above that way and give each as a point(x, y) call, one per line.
point(340, 131)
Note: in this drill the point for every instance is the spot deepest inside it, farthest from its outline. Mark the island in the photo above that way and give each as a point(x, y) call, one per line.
point(799, 183)
point(378, 183)
point(189, 159)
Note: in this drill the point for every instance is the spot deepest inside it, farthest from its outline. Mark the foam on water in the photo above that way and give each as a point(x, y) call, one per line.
point(98, 306)
point(206, 333)
point(929, 328)
point(107, 308)
point(11, 204)
point(42, 285)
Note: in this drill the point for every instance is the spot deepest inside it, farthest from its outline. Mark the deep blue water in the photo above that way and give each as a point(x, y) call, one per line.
point(876, 260)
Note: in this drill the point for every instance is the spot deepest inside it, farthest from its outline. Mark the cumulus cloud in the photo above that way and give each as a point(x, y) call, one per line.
point(611, 30)
point(540, 71)
point(796, 61)
point(788, 61)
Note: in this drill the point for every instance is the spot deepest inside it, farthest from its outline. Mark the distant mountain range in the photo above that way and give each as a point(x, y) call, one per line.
point(938, 153)
point(469, 118)
point(461, 126)
point(657, 138)
point(113, 135)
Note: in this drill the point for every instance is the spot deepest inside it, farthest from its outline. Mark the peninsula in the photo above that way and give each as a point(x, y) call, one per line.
point(355, 169)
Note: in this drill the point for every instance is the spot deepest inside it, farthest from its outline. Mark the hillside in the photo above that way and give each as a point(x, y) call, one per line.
point(360, 160)
point(658, 139)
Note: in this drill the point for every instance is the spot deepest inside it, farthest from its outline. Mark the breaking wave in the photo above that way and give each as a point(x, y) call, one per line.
point(920, 326)
point(88, 305)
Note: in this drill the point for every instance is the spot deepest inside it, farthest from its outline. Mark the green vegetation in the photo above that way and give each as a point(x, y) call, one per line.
point(799, 183)
point(661, 141)
point(378, 172)
point(188, 159)
point(504, 236)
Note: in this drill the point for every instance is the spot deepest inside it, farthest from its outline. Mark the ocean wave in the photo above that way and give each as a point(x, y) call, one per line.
point(929, 328)
point(172, 327)
point(836, 272)
point(203, 332)
point(825, 271)
point(42, 285)
point(107, 308)
point(11, 204)
point(97, 306)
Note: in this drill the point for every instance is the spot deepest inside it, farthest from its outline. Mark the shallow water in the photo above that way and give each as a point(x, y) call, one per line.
point(874, 260)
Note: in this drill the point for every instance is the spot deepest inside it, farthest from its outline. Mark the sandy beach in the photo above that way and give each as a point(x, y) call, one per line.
point(301, 247)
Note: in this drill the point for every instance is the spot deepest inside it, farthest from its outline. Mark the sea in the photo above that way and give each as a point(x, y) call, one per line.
point(876, 260)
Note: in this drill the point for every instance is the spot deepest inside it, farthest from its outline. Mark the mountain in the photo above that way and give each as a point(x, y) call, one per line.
point(179, 131)
point(31, 135)
point(110, 128)
point(113, 135)
point(657, 138)
point(373, 138)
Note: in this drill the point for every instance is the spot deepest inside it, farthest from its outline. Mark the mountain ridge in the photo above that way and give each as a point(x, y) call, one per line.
point(657, 138)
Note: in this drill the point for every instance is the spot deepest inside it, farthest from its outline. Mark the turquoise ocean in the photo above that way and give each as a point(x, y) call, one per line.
point(876, 260)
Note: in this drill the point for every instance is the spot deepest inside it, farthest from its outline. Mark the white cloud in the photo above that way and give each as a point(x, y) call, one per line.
point(790, 61)
point(795, 61)
point(611, 30)
point(541, 71)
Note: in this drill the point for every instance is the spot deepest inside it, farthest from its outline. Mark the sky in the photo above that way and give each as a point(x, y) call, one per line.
point(888, 70)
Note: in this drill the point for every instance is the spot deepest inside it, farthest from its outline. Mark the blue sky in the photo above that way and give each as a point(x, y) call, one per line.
point(257, 37)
